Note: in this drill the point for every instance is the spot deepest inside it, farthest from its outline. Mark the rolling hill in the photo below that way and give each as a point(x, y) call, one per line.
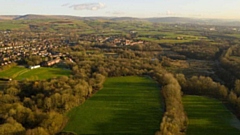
point(154, 20)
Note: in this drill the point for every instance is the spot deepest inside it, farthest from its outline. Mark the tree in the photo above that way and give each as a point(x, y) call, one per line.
point(37, 131)
point(181, 80)
point(238, 105)
point(232, 97)
point(12, 127)
point(237, 87)
point(222, 91)
point(174, 120)
point(47, 104)
point(33, 60)
point(12, 91)
point(54, 123)
point(99, 80)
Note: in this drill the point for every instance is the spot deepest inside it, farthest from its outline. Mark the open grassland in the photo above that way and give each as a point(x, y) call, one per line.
point(234, 35)
point(12, 25)
point(209, 116)
point(169, 37)
point(126, 105)
point(21, 73)
point(173, 41)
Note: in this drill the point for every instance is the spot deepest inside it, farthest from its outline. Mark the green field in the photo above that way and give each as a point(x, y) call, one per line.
point(126, 105)
point(21, 73)
point(209, 117)
point(12, 25)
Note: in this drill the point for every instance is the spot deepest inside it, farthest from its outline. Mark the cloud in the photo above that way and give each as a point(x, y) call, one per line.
point(88, 6)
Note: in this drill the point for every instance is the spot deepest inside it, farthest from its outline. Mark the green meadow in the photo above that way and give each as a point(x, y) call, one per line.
point(209, 116)
point(12, 25)
point(42, 73)
point(126, 105)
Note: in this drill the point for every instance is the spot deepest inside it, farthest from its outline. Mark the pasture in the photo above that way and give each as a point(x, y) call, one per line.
point(207, 116)
point(126, 105)
point(12, 25)
point(21, 73)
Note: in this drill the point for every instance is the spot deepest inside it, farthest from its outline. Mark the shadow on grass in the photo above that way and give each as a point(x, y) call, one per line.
point(133, 113)
point(133, 84)
point(208, 117)
point(60, 71)
point(131, 121)
point(129, 106)
point(209, 129)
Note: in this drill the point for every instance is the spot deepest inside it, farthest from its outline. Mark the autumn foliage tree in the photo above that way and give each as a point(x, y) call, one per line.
point(174, 121)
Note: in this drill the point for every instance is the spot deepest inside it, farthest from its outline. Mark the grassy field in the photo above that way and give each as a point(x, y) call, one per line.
point(170, 37)
point(20, 73)
point(12, 25)
point(126, 105)
point(173, 41)
point(209, 117)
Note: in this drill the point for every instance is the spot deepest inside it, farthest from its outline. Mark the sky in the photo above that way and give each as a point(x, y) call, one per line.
point(222, 9)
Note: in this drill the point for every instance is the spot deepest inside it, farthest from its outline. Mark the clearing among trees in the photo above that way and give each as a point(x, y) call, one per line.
point(208, 116)
point(42, 73)
point(126, 105)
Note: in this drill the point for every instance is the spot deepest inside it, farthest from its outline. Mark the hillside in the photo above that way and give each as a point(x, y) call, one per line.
point(40, 17)
point(8, 17)
point(154, 20)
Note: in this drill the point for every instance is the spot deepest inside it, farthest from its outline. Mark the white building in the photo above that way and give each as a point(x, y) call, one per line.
point(34, 67)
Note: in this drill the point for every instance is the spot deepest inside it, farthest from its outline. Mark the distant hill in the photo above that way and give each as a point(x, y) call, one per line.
point(195, 21)
point(154, 20)
point(41, 17)
point(127, 19)
point(173, 20)
point(8, 17)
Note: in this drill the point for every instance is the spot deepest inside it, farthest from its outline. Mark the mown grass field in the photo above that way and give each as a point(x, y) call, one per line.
point(21, 73)
point(209, 117)
point(126, 105)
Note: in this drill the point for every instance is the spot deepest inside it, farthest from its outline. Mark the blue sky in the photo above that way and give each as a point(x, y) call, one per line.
point(228, 9)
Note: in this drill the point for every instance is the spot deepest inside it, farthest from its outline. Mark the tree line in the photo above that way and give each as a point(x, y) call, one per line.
point(174, 121)
point(38, 107)
point(205, 86)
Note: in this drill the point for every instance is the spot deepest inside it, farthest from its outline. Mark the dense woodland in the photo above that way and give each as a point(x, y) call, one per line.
point(39, 107)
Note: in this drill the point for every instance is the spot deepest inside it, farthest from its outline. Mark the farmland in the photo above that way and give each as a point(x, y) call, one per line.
point(95, 97)
point(11, 25)
point(21, 73)
point(207, 116)
point(125, 105)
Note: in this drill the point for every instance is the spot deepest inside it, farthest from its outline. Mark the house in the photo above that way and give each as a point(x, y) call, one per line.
point(52, 62)
point(34, 67)
point(127, 42)
point(212, 29)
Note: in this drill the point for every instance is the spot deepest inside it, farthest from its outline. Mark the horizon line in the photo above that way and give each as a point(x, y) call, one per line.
point(210, 18)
